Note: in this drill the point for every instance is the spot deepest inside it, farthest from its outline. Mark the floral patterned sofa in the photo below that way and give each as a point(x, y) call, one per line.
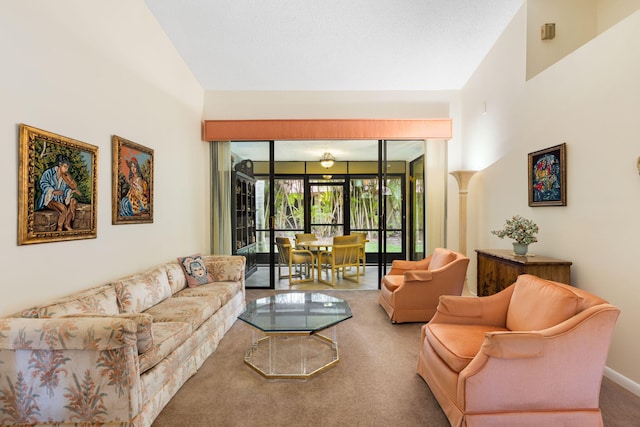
point(117, 353)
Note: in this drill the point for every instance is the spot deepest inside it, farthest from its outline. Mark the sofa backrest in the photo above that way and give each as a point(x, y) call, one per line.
point(142, 291)
point(176, 276)
point(99, 299)
point(225, 268)
point(538, 304)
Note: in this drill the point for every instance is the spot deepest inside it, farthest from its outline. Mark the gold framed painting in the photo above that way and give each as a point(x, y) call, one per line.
point(548, 176)
point(132, 182)
point(57, 188)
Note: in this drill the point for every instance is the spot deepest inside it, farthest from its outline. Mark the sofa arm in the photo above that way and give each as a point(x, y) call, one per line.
point(68, 370)
point(67, 333)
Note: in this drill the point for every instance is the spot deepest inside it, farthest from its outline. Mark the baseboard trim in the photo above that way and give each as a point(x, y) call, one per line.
point(622, 381)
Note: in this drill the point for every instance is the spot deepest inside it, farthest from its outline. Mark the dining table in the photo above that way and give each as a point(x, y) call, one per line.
point(316, 246)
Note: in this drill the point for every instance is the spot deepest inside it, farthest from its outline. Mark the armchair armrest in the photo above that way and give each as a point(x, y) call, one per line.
point(417, 276)
point(513, 345)
point(489, 310)
point(399, 266)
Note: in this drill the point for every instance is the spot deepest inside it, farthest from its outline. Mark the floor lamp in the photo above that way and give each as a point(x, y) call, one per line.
point(463, 178)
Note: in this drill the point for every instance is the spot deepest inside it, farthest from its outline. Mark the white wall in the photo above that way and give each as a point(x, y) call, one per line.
point(87, 70)
point(590, 100)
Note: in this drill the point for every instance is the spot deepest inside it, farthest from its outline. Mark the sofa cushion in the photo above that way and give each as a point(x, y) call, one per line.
point(195, 270)
point(177, 279)
point(167, 337)
point(224, 291)
point(193, 311)
point(440, 258)
point(96, 300)
point(142, 291)
point(456, 344)
point(225, 268)
point(538, 304)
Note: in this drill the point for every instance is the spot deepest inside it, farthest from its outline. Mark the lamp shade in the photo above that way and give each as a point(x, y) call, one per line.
point(327, 160)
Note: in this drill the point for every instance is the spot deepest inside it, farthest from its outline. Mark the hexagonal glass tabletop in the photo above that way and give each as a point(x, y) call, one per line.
point(296, 312)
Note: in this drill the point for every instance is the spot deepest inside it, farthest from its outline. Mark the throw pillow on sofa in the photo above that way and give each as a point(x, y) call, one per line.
point(195, 270)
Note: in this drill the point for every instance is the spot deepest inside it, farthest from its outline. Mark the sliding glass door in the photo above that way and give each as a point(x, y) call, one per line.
point(362, 193)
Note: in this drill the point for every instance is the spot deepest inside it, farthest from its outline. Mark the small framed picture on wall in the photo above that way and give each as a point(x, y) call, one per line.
point(132, 182)
point(548, 177)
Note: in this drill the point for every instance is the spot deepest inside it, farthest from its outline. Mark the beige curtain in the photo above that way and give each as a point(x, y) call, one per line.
point(436, 194)
point(221, 197)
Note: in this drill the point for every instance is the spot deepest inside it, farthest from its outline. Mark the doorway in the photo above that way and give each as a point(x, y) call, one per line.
point(294, 196)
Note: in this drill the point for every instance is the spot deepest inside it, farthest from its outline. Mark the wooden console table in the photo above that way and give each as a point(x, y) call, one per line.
point(499, 268)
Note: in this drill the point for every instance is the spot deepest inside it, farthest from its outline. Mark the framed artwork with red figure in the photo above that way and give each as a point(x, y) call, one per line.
point(132, 182)
point(548, 177)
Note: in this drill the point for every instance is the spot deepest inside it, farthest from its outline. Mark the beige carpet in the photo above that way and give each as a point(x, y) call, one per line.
point(375, 383)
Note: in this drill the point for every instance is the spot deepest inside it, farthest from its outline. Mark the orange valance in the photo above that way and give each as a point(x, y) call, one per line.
point(317, 129)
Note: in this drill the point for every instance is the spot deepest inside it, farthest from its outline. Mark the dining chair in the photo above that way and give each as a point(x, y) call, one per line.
point(362, 254)
point(344, 253)
point(291, 258)
point(306, 237)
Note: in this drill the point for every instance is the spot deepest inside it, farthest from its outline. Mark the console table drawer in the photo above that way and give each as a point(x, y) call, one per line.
point(499, 268)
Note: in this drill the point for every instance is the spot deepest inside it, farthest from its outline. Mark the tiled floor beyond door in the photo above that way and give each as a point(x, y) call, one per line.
point(368, 281)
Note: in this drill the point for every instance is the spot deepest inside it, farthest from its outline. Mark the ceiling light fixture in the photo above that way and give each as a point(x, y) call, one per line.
point(327, 160)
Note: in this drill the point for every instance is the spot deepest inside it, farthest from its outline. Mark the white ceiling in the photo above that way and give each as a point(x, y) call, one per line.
point(324, 45)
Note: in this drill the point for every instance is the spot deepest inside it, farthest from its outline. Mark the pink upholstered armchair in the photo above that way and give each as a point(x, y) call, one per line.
point(410, 290)
point(530, 355)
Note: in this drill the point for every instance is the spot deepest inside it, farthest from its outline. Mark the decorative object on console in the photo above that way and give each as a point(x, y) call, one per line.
point(195, 270)
point(58, 186)
point(132, 182)
point(548, 177)
point(520, 229)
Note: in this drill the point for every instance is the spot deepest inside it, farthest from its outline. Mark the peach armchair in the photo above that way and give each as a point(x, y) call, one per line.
point(530, 355)
point(409, 292)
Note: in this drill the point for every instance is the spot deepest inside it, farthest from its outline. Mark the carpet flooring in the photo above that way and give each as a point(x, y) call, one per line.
point(374, 384)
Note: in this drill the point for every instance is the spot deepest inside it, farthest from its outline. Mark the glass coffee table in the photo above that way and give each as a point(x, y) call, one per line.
point(294, 334)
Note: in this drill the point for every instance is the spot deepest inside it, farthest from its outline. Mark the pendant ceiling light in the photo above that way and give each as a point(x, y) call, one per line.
point(327, 160)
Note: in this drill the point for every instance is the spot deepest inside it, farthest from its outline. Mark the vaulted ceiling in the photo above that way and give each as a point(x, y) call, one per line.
point(377, 45)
